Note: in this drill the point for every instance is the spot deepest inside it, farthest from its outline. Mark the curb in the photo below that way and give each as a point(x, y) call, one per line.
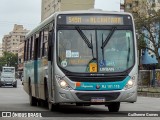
point(149, 91)
point(149, 94)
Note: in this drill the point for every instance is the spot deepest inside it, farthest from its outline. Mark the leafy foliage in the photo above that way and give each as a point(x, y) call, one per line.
point(8, 59)
point(147, 21)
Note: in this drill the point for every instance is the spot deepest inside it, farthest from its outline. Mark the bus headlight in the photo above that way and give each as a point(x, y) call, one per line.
point(130, 83)
point(62, 83)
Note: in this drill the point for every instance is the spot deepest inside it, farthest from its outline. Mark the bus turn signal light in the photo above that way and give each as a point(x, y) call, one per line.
point(78, 84)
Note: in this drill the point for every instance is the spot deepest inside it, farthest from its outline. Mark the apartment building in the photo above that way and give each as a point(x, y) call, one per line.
point(12, 41)
point(20, 56)
point(51, 6)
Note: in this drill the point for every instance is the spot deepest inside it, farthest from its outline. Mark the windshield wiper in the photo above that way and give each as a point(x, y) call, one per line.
point(84, 38)
point(128, 51)
point(92, 47)
point(108, 37)
point(102, 49)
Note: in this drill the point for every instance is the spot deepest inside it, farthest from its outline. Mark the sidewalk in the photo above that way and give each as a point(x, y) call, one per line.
point(149, 92)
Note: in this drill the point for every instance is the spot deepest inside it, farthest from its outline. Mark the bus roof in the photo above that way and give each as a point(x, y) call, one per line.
point(91, 11)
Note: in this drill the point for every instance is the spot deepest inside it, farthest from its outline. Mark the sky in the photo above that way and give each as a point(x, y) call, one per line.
point(28, 13)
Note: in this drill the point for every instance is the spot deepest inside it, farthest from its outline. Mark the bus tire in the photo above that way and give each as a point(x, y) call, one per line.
point(53, 107)
point(46, 93)
point(49, 104)
point(33, 100)
point(114, 107)
point(41, 103)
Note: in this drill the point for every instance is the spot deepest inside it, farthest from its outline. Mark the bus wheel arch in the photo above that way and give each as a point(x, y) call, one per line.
point(51, 106)
point(46, 92)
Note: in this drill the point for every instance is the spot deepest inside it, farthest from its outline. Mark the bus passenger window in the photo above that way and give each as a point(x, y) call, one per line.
point(39, 45)
point(29, 48)
point(45, 42)
point(32, 48)
point(45, 47)
point(36, 50)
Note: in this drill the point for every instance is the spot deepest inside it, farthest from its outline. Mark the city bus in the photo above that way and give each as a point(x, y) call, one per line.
point(82, 58)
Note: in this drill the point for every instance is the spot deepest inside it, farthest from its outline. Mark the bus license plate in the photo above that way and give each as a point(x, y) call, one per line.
point(97, 99)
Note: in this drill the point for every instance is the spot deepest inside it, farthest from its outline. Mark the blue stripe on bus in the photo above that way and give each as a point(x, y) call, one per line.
point(102, 86)
point(36, 71)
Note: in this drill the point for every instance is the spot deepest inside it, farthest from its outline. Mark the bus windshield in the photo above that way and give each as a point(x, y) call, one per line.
point(95, 50)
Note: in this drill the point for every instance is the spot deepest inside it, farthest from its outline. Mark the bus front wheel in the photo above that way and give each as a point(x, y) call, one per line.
point(53, 107)
point(114, 107)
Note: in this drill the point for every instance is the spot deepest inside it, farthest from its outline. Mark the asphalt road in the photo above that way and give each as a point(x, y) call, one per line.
point(15, 99)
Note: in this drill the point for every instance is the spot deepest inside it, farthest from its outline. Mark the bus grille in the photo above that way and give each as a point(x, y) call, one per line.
point(96, 79)
point(107, 96)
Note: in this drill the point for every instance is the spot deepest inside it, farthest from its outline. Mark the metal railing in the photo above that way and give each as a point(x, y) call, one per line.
point(149, 78)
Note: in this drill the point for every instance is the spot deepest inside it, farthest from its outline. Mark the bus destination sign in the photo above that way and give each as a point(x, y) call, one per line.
point(94, 20)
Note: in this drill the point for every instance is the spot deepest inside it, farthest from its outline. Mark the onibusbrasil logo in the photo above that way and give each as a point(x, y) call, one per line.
point(21, 114)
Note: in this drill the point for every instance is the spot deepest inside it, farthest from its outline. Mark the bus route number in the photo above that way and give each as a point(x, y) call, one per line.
point(74, 19)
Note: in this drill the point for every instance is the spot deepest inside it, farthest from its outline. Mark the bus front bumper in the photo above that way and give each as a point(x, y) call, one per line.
point(74, 96)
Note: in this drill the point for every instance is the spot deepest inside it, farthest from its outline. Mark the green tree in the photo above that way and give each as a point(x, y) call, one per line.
point(147, 21)
point(9, 59)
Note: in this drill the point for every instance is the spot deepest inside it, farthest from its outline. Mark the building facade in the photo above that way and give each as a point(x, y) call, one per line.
point(122, 7)
point(12, 41)
point(51, 6)
point(20, 56)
